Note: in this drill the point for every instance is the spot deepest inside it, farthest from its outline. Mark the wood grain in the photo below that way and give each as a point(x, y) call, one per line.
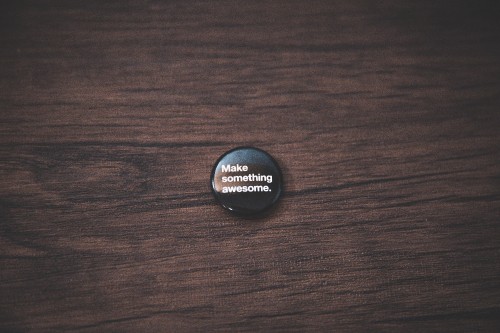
point(383, 115)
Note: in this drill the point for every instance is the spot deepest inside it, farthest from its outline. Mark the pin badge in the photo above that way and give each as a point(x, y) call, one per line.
point(246, 181)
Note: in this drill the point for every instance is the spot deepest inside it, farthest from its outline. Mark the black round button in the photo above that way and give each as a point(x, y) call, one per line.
point(246, 181)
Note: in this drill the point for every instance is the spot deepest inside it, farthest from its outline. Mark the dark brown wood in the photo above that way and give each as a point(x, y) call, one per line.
point(384, 116)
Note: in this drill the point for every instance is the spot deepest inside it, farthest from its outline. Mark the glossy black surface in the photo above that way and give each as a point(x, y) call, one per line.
point(246, 181)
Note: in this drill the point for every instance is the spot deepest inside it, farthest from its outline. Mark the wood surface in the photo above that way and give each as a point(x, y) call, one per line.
point(385, 117)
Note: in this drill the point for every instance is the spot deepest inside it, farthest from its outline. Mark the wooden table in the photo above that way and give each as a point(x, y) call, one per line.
point(385, 117)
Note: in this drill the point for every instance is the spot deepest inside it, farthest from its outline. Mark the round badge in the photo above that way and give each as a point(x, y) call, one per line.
point(246, 181)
